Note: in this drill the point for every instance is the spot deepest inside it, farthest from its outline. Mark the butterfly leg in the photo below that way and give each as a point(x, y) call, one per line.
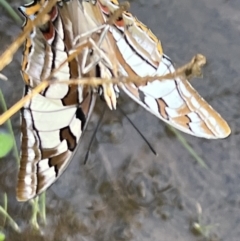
point(97, 56)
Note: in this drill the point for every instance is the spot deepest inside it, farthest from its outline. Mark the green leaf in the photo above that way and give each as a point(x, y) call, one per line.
point(6, 144)
point(2, 236)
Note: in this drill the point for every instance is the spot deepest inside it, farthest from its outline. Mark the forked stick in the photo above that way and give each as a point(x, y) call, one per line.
point(187, 71)
point(192, 69)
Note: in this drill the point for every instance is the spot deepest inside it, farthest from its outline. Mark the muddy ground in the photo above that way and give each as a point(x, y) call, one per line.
point(124, 192)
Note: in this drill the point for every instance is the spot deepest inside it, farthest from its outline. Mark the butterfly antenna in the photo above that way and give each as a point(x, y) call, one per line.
point(94, 134)
point(139, 132)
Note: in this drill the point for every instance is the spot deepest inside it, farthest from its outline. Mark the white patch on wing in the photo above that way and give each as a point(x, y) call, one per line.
point(41, 103)
point(142, 37)
point(116, 35)
point(133, 59)
point(172, 112)
point(162, 69)
point(60, 54)
point(28, 180)
point(28, 190)
point(49, 139)
point(148, 45)
point(27, 115)
point(31, 138)
point(31, 153)
point(62, 74)
point(60, 31)
point(30, 168)
point(171, 68)
point(138, 65)
point(139, 51)
point(48, 174)
point(75, 127)
point(36, 57)
point(197, 129)
point(122, 46)
point(29, 158)
point(158, 89)
point(80, 91)
point(46, 121)
point(57, 91)
point(125, 49)
point(152, 104)
point(173, 100)
point(43, 165)
point(142, 69)
point(194, 117)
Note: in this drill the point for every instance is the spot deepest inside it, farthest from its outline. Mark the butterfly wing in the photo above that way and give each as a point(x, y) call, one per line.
point(178, 104)
point(50, 135)
point(53, 120)
point(174, 101)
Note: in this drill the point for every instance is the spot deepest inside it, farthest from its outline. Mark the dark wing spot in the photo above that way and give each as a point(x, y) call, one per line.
point(80, 115)
point(66, 134)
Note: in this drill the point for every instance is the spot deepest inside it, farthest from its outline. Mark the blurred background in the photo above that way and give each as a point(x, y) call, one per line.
point(125, 192)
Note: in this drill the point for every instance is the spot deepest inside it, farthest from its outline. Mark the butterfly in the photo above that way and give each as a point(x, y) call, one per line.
point(53, 120)
point(139, 53)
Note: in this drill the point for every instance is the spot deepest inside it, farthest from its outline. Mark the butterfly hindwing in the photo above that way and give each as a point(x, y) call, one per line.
point(50, 135)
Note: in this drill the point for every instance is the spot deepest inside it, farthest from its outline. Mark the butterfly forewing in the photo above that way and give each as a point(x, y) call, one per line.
point(174, 101)
point(52, 121)
point(50, 135)
point(177, 103)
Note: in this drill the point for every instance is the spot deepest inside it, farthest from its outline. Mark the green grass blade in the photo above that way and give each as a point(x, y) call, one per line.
point(6, 144)
point(35, 211)
point(2, 236)
point(183, 141)
point(9, 218)
point(11, 11)
point(5, 201)
point(42, 206)
point(9, 126)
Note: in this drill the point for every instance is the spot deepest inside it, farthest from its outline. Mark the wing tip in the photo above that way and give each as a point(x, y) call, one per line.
point(222, 130)
point(23, 196)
